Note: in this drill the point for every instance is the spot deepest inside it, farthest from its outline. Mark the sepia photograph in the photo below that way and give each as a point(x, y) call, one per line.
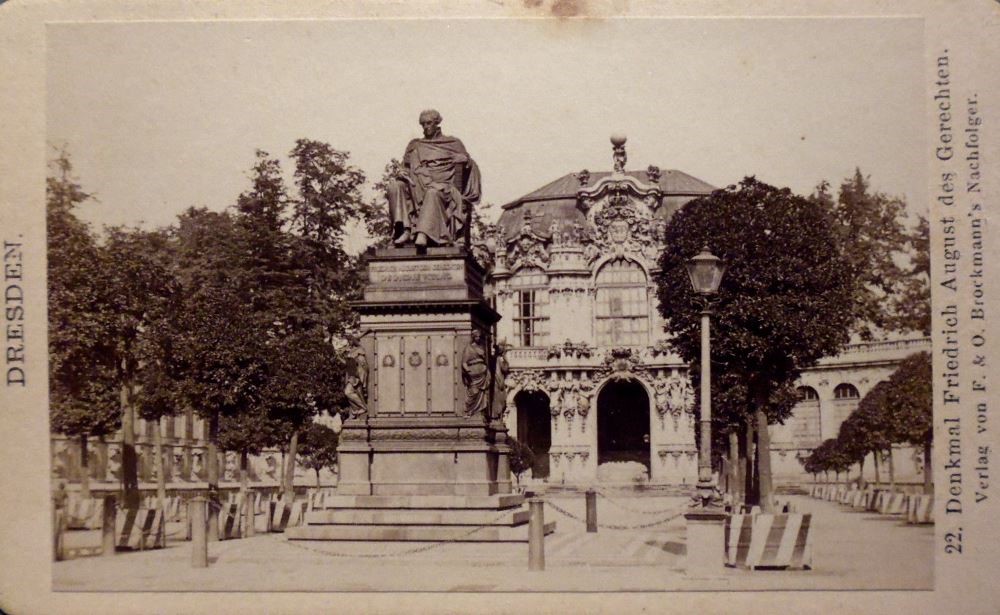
point(498, 306)
point(489, 306)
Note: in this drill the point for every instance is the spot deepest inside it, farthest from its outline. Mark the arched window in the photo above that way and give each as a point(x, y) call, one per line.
point(846, 391)
point(530, 313)
point(622, 310)
point(807, 393)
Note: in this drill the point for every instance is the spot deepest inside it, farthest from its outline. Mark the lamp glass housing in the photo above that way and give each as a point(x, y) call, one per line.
point(706, 271)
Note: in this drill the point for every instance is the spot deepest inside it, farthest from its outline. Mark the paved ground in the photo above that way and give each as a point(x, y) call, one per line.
point(851, 550)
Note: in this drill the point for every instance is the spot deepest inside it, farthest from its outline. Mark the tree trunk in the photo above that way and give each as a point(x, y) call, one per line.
point(928, 483)
point(764, 463)
point(317, 478)
point(130, 473)
point(875, 455)
point(861, 472)
point(732, 483)
point(212, 461)
point(289, 484)
point(84, 469)
point(892, 470)
point(749, 466)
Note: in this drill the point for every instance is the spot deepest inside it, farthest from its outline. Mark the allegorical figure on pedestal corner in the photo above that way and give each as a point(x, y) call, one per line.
point(356, 381)
point(501, 369)
point(431, 200)
point(475, 375)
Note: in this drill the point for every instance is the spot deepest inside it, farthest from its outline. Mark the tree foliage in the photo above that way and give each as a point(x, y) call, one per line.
point(890, 262)
point(84, 398)
point(521, 458)
point(909, 398)
point(895, 411)
point(781, 304)
point(319, 448)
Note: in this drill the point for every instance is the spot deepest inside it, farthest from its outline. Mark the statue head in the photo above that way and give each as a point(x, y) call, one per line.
point(430, 121)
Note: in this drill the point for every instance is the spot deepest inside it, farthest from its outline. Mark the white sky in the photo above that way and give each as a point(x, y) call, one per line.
point(162, 116)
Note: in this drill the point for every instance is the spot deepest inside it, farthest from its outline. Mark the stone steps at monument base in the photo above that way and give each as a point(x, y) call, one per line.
point(394, 516)
point(407, 502)
point(414, 533)
point(629, 489)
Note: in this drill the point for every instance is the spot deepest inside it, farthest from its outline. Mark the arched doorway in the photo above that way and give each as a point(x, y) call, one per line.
point(534, 428)
point(623, 423)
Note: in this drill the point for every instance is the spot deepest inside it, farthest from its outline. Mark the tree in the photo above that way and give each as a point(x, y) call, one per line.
point(912, 305)
point(521, 458)
point(217, 354)
point(853, 442)
point(889, 262)
point(909, 400)
point(319, 448)
point(874, 424)
point(83, 398)
point(142, 288)
point(782, 303)
point(304, 279)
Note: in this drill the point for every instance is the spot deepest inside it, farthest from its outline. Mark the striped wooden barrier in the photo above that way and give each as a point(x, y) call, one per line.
point(858, 499)
point(318, 498)
point(230, 521)
point(175, 508)
point(847, 496)
point(83, 514)
point(285, 515)
point(139, 529)
point(894, 504)
point(769, 541)
point(920, 509)
point(874, 498)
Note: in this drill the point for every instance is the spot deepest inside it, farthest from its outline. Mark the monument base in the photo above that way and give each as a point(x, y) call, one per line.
point(427, 458)
point(423, 518)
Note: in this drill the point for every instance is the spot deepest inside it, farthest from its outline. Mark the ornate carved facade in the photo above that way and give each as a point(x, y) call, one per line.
point(573, 280)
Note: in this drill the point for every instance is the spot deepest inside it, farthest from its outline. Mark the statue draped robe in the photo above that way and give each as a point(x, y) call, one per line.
point(440, 192)
point(476, 378)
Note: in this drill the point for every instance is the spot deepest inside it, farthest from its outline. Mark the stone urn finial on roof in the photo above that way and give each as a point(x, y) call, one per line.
point(618, 147)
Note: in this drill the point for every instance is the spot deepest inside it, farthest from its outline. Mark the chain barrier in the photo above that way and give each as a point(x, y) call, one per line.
point(633, 510)
point(420, 549)
point(615, 526)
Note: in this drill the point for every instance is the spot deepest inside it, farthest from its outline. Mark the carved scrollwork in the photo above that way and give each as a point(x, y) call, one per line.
point(526, 249)
point(621, 364)
point(527, 380)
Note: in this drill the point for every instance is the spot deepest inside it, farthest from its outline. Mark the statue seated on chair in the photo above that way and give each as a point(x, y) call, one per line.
point(431, 200)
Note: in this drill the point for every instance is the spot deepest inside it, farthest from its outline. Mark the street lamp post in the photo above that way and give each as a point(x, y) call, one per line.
point(705, 520)
point(706, 271)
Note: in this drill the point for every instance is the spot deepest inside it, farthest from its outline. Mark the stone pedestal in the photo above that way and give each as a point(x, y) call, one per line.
point(418, 465)
point(706, 542)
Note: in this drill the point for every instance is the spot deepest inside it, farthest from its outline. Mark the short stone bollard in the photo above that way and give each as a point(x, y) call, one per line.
point(199, 528)
point(536, 534)
point(591, 511)
point(108, 525)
